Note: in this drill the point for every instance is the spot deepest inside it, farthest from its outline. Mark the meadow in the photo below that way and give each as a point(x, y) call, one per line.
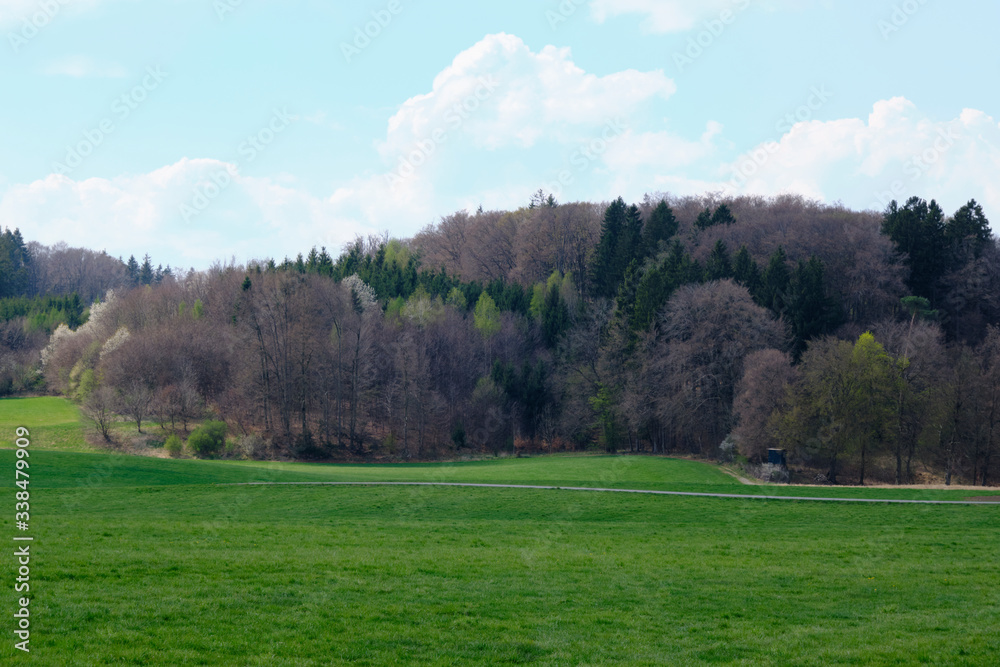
point(157, 561)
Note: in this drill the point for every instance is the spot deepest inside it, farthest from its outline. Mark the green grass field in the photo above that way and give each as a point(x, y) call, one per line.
point(151, 561)
point(54, 421)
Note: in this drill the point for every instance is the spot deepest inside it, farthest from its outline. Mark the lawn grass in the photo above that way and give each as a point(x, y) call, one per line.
point(200, 574)
point(55, 423)
point(161, 562)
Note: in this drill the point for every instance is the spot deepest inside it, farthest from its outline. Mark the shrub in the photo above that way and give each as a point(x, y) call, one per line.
point(174, 446)
point(252, 447)
point(208, 440)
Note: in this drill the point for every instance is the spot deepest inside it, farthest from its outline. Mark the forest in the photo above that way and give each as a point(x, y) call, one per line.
point(864, 343)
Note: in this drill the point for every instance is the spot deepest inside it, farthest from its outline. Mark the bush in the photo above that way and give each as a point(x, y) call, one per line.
point(252, 447)
point(208, 440)
point(174, 446)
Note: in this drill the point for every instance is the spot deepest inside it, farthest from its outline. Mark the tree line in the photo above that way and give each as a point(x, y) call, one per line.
point(861, 342)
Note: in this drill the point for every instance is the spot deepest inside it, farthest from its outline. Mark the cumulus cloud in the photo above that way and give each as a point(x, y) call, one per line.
point(250, 217)
point(499, 93)
point(897, 152)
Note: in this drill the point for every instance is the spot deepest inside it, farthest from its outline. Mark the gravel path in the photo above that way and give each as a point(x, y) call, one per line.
point(655, 493)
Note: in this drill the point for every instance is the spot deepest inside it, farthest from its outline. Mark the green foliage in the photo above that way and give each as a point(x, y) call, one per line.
point(527, 390)
point(487, 316)
point(198, 310)
point(174, 446)
point(775, 282)
point(554, 316)
point(746, 272)
point(208, 440)
point(620, 244)
point(810, 311)
point(457, 300)
point(44, 313)
point(88, 383)
point(605, 406)
point(968, 233)
point(918, 230)
point(721, 216)
point(704, 219)
point(719, 265)
point(15, 262)
point(661, 226)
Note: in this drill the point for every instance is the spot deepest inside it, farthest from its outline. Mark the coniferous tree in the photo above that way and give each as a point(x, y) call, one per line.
point(132, 267)
point(719, 265)
point(605, 272)
point(555, 317)
point(967, 232)
point(775, 282)
point(723, 216)
point(661, 226)
point(146, 273)
point(704, 220)
point(746, 272)
point(918, 230)
point(810, 311)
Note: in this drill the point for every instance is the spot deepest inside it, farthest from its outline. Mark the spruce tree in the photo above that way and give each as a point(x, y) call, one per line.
point(719, 266)
point(146, 273)
point(604, 271)
point(723, 216)
point(661, 226)
point(776, 279)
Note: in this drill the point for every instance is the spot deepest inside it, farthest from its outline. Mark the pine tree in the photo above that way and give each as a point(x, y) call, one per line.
point(719, 266)
point(661, 226)
point(723, 216)
point(967, 232)
point(918, 230)
point(132, 268)
point(775, 281)
point(604, 271)
point(555, 317)
point(146, 274)
point(704, 220)
point(746, 272)
point(810, 310)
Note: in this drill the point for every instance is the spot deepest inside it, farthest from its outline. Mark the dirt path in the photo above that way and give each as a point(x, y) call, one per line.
point(655, 493)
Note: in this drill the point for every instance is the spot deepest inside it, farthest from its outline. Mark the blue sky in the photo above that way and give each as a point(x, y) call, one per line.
point(207, 129)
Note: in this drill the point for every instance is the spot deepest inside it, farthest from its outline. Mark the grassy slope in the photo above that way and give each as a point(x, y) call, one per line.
point(55, 423)
point(199, 574)
point(146, 561)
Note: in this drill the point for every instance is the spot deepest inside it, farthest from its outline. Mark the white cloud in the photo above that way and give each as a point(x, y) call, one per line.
point(84, 66)
point(499, 93)
point(897, 152)
point(664, 16)
point(529, 104)
point(38, 13)
point(252, 217)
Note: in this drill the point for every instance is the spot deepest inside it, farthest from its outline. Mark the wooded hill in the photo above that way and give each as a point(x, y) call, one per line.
point(862, 342)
